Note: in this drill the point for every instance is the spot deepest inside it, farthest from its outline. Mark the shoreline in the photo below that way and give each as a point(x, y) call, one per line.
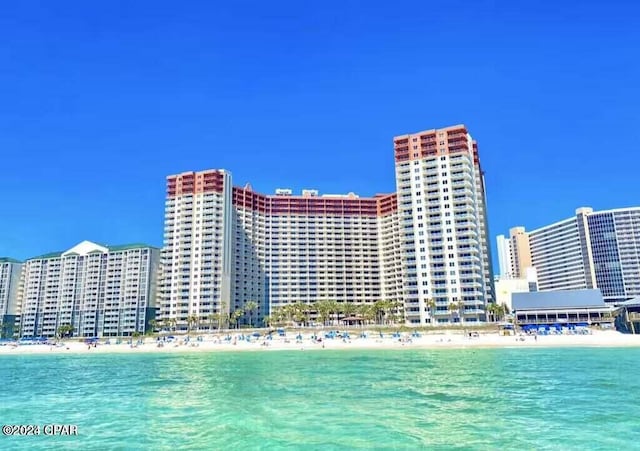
point(216, 343)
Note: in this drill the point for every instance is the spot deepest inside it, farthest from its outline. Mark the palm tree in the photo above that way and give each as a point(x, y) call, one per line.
point(249, 308)
point(334, 308)
point(277, 316)
point(431, 305)
point(212, 318)
point(192, 320)
point(457, 306)
point(393, 308)
point(267, 319)
point(367, 311)
point(491, 310)
point(380, 308)
point(323, 309)
point(501, 310)
point(349, 309)
point(153, 324)
point(495, 310)
point(65, 330)
point(235, 317)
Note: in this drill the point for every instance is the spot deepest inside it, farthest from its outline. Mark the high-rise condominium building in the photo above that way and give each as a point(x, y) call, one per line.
point(98, 290)
point(9, 283)
point(442, 225)
point(514, 254)
point(593, 249)
point(225, 246)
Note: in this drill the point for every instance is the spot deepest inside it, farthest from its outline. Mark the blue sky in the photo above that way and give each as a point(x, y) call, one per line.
point(102, 100)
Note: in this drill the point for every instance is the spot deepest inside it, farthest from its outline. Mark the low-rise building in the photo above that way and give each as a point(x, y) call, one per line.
point(505, 286)
point(558, 310)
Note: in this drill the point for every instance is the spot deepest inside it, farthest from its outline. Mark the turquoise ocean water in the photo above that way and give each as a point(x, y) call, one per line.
point(531, 399)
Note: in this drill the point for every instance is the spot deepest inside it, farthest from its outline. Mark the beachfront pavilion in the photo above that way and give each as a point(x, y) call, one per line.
point(630, 315)
point(562, 310)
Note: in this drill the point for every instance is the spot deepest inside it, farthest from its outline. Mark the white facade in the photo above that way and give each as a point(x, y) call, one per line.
point(250, 251)
point(197, 252)
point(504, 256)
point(557, 255)
point(98, 290)
point(505, 287)
point(284, 249)
point(225, 246)
point(9, 284)
point(318, 257)
point(390, 258)
point(442, 226)
point(593, 249)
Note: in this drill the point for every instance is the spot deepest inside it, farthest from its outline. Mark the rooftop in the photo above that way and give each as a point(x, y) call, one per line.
point(88, 247)
point(537, 300)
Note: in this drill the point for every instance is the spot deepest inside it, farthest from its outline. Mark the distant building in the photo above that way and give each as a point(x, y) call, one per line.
point(504, 257)
point(9, 283)
point(505, 287)
point(593, 249)
point(98, 290)
point(514, 254)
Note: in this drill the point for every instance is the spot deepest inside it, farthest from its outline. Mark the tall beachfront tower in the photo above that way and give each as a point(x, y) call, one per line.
point(10, 270)
point(227, 246)
point(593, 249)
point(442, 226)
point(197, 253)
point(98, 290)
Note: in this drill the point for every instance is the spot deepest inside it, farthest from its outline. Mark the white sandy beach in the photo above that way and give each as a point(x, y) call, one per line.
point(217, 342)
